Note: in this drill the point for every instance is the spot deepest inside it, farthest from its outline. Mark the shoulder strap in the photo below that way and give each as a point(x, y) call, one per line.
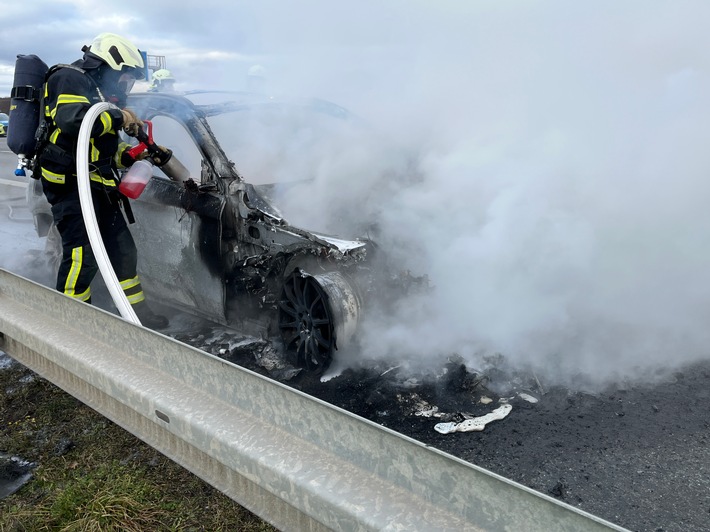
point(59, 66)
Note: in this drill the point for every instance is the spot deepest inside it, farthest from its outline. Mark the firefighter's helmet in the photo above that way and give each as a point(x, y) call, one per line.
point(162, 80)
point(118, 53)
point(163, 75)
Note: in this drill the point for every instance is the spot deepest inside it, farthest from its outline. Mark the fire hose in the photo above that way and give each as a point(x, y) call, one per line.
point(87, 211)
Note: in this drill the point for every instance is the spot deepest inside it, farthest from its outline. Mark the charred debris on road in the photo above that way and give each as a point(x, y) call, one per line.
point(634, 453)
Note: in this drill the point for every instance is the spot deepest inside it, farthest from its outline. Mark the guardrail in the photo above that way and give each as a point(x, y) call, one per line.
point(297, 462)
point(13, 183)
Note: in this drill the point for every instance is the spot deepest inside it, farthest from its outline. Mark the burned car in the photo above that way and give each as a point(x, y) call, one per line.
point(214, 245)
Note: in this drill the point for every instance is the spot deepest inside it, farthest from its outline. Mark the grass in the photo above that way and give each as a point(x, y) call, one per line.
point(92, 475)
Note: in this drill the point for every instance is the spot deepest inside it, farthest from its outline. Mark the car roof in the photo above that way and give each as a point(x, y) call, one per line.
point(211, 103)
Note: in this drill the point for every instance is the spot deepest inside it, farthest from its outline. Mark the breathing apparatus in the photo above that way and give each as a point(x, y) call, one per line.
point(29, 77)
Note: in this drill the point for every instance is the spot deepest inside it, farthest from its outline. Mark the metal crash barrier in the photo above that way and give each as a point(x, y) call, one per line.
point(297, 462)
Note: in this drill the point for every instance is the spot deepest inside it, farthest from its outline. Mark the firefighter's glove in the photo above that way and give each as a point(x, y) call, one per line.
point(127, 160)
point(131, 123)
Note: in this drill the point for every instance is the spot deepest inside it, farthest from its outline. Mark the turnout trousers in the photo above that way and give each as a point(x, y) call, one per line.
point(78, 266)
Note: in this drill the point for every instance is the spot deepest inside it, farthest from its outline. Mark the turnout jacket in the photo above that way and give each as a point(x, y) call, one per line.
point(68, 95)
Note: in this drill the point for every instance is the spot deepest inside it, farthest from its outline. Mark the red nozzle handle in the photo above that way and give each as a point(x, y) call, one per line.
point(145, 140)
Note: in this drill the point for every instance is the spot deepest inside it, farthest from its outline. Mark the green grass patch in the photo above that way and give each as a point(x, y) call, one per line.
point(91, 475)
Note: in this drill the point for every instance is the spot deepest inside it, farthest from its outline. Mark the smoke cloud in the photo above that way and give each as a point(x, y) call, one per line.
point(544, 166)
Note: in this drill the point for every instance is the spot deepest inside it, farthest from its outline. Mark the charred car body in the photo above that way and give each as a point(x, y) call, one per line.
point(214, 245)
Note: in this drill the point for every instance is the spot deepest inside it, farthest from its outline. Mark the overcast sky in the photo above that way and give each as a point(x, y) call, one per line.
point(365, 42)
point(217, 41)
point(560, 150)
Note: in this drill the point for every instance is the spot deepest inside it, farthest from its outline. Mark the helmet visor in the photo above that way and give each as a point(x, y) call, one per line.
point(126, 81)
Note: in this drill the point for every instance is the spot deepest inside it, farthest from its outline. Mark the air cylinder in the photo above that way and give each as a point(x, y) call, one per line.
point(25, 110)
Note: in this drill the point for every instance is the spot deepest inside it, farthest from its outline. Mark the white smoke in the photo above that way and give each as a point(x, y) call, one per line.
point(547, 169)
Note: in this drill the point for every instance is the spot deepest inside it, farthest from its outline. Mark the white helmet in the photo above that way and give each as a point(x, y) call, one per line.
point(117, 52)
point(163, 81)
point(163, 75)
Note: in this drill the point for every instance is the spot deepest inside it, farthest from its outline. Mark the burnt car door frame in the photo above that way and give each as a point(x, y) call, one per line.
point(179, 226)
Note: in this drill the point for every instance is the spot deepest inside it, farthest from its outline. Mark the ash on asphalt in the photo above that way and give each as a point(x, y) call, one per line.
point(637, 455)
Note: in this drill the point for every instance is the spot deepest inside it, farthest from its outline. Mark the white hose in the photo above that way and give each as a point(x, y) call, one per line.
point(87, 211)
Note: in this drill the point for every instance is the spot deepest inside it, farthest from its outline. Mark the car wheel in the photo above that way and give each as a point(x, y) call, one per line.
point(317, 315)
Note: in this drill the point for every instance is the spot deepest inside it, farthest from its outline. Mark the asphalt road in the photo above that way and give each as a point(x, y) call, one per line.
point(19, 243)
point(638, 456)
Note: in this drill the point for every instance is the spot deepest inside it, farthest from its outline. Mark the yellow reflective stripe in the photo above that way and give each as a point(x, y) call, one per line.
point(46, 98)
point(107, 182)
point(85, 296)
point(54, 135)
point(52, 177)
point(122, 148)
point(77, 257)
point(130, 283)
point(71, 98)
point(94, 155)
point(136, 298)
point(105, 121)
point(65, 99)
point(61, 178)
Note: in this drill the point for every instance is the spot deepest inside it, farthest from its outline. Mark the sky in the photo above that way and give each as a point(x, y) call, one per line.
point(546, 162)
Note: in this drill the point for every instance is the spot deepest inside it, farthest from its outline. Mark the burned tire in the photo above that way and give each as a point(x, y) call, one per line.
point(317, 315)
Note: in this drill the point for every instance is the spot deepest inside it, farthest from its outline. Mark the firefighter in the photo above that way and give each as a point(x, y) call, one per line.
point(109, 67)
point(163, 81)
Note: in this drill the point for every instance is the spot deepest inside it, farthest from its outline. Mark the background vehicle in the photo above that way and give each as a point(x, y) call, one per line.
point(4, 124)
point(215, 245)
